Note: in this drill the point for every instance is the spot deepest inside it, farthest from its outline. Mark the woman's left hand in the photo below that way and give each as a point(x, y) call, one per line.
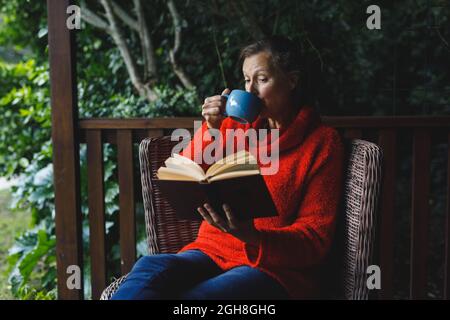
point(242, 229)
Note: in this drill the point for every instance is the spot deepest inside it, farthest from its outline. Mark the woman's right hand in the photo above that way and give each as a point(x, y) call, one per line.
point(213, 110)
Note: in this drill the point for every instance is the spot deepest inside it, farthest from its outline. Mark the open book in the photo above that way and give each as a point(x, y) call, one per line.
point(180, 168)
point(235, 180)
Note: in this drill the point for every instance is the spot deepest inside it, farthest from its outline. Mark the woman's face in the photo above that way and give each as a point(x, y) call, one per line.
point(269, 83)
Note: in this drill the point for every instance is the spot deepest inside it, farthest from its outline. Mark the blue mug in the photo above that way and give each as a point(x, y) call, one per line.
point(242, 106)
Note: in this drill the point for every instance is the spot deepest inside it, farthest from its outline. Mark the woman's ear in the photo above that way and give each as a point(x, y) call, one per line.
point(294, 79)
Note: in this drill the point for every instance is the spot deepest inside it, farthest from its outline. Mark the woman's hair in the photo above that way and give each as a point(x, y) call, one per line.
point(285, 54)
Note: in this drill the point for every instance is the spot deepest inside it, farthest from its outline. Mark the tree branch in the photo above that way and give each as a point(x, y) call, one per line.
point(116, 33)
point(93, 19)
point(150, 71)
point(123, 15)
point(177, 25)
point(184, 78)
point(214, 9)
point(248, 19)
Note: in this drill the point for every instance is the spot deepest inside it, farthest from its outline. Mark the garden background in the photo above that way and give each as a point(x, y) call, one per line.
point(401, 69)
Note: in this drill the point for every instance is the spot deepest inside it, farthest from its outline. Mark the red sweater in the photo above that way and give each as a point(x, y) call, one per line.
point(306, 191)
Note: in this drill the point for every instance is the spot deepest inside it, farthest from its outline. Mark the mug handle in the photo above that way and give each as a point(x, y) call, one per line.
point(225, 111)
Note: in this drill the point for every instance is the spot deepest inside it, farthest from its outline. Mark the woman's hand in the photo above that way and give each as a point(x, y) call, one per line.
point(213, 109)
point(242, 229)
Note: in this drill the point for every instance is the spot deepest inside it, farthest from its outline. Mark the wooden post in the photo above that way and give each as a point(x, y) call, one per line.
point(388, 143)
point(96, 201)
point(447, 229)
point(420, 213)
point(126, 200)
point(66, 164)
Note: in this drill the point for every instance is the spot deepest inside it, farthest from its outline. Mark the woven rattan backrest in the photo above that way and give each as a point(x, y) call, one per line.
point(358, 220)
point(356, 230)
point(165, 233)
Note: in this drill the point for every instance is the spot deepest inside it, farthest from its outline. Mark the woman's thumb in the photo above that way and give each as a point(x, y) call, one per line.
point(226, 91)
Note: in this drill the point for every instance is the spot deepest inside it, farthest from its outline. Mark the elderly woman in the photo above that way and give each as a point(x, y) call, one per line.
point(278, 257)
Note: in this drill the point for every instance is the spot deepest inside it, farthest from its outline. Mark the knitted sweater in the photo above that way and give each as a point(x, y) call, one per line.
point(306, 190)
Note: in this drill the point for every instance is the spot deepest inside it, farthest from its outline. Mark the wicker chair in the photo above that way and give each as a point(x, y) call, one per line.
point(356, 233)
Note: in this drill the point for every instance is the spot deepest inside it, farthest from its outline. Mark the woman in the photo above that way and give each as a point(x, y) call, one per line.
point(279, 257)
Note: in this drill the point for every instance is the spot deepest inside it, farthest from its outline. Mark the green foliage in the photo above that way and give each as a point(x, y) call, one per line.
point(33, 252)
point(27, 293)
point(23, 28)
point(348, 70)
point(12, 224)
point(25, 151)
point(173, 103)
point(25, 122)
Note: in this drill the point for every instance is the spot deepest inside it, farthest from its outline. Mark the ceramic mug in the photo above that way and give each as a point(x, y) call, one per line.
point(242, 106)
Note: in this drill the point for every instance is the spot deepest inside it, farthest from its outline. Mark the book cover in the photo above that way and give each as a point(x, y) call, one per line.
point(239, 183)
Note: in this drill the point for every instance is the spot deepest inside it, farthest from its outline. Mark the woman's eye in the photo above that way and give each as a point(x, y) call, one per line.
point(263, 79)
point(246, 80)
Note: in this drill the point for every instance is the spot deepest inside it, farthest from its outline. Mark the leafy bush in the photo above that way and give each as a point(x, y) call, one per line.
point(25, 122)
point(348, 71)
point(26, 152)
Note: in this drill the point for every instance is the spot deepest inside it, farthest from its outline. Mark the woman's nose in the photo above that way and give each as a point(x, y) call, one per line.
point(251, 88)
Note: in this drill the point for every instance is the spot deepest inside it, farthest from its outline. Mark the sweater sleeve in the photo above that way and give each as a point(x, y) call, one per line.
point(307, 240)
point(198, 146)
point(200, 140)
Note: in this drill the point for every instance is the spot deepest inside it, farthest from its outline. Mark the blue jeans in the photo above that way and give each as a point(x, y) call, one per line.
point(192, 275)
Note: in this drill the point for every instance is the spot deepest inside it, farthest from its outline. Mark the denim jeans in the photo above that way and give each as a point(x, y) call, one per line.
point(192, 275)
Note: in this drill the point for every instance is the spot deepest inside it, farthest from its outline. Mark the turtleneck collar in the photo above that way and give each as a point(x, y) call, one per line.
point(305, 121)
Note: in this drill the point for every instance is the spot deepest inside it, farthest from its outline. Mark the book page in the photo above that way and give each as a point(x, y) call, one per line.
point(183, 163)
point(164, 173)
point(240, 157)
point(232, 168)
point(184, 159)
point(242, 160)
point(234, 174)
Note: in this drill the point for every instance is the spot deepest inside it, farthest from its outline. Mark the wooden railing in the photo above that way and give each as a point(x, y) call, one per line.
point(68, 132)
point(384, 131)
point(122, 133)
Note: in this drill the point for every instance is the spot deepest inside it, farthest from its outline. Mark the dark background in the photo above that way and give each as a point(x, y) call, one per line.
point(402, 69)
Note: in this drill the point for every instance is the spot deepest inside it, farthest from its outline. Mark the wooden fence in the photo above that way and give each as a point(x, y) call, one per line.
point(424, 132)
point(68, 132)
